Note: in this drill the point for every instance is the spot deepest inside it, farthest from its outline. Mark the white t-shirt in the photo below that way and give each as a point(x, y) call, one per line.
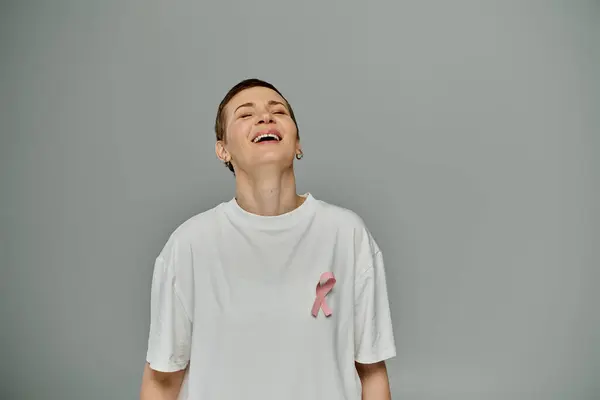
point(232, 294)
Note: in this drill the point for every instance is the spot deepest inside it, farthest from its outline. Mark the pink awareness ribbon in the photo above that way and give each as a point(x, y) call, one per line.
point(324, 286)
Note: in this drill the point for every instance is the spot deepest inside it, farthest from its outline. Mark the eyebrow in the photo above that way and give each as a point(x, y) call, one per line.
point(271, 103)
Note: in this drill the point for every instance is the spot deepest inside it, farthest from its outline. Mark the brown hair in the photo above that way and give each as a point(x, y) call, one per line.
point(243, 85)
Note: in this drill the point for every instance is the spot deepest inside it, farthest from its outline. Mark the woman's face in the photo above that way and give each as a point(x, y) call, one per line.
point(259, 131)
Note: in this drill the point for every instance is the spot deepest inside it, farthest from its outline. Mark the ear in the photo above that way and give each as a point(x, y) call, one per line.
point(222, 152)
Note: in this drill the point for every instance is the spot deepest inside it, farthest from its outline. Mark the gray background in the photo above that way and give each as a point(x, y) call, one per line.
point(465, 133)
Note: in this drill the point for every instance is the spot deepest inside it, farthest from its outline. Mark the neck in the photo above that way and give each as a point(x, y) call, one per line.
point(268, 192)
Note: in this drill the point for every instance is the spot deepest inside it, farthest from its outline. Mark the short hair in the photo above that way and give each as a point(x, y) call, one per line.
point(220, 126)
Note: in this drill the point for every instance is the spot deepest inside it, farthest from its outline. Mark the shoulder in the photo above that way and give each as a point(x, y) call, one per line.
point(341, 216)
point(196, 225)
point(347, 220)
point(193, 229)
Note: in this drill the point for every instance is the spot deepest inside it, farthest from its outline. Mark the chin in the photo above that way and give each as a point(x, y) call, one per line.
point(275, 161)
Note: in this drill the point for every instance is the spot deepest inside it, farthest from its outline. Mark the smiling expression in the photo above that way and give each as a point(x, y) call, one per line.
point(259, 130)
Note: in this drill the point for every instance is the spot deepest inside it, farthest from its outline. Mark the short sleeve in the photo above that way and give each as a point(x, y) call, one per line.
point(373, 332)
point(170, 337)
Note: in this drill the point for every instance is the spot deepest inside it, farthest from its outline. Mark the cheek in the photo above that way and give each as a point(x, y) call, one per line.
point(290, 126)
point(237, 131)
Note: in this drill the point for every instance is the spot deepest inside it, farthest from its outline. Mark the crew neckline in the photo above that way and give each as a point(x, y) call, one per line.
point(280, 221)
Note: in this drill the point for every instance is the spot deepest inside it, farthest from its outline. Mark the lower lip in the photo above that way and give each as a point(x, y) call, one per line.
point(268, 142)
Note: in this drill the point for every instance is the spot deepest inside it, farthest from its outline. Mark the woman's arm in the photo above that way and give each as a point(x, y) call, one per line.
point(374, 379)
point(161, 385)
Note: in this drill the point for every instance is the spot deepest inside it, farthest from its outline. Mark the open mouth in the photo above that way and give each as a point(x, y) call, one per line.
point(272, 136)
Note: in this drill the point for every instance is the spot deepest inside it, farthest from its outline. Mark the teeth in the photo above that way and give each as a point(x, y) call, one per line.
point(259, 137)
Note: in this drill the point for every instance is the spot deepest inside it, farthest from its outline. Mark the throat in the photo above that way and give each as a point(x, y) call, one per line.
point(267, 192)
point(269, 203)
point(270, 207)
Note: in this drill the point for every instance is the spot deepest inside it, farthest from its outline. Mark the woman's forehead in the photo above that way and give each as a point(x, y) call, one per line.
point(255, 95)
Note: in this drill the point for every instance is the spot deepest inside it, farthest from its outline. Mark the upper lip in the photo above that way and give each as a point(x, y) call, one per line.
point(271, 131)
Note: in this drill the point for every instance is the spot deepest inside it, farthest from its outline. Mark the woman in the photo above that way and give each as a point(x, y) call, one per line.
point(271, 295)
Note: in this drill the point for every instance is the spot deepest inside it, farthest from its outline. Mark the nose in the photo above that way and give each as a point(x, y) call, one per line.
point(266, 117)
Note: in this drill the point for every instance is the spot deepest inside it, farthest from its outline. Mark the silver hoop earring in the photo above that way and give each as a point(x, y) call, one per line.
point(299, 156)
